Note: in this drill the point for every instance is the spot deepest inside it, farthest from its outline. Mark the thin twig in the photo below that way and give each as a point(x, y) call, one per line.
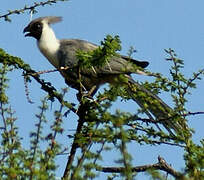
point(192, 79)
point(193, 113)
point(161, 165)
point(50, 90)
point(28, 8)
point(37, 138)
point(45, 71)
point(99, 152)
point(27, 91)
point(85, 149)
point(1, 102)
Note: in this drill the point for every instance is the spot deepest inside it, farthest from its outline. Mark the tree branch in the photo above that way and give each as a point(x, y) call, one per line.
point(161, 165)
point(18, 63)
point(193, 113)
point(81, 113)
point(26, 8)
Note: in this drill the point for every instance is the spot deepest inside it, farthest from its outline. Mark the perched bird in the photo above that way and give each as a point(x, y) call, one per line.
point(62, 53)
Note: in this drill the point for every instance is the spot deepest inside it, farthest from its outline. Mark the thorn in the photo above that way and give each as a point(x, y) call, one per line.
point(109, 65)
point(93, 69)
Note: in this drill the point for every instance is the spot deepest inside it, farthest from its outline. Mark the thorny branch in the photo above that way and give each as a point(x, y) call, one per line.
point(27, 91)
point(75, 143)
point(28, 8)
point(1, 102)
point(85, 149)
point(82, 112)
point(193, 113)
point(156, 121)
point(191, 80)
point(50, 90)
point(161, 165)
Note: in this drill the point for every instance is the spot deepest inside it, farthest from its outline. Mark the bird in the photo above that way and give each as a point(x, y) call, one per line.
point(62, 54)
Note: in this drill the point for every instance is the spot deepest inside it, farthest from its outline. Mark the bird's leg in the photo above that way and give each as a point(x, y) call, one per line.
point(62, 68)
point(93, 69)
point(109, 65)
point(88, 94)
point(92, 91)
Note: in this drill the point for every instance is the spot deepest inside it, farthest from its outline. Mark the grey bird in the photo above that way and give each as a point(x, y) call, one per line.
point(62, 53)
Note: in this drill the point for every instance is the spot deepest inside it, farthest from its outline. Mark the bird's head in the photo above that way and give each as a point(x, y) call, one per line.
point(37, 26)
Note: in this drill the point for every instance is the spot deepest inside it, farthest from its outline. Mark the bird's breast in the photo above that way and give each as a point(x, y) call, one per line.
point(49, 50)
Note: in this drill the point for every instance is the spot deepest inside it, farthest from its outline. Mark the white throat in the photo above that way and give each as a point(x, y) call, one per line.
point(49, 44)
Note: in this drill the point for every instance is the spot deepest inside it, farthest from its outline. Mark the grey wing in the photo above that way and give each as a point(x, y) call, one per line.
point(68, 49)
point(117, 64)
point(122, 65)
point(67, 58)
point(93, 75)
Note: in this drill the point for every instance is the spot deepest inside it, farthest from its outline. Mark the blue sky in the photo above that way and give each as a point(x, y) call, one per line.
point(148, 25)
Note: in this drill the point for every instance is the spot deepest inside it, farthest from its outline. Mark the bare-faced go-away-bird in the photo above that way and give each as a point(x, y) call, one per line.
point(62, 53)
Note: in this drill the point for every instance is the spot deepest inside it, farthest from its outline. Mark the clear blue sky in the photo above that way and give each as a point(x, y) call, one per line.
point(148, 25)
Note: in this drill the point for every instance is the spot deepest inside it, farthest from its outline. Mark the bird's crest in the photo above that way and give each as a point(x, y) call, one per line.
point(48, 19)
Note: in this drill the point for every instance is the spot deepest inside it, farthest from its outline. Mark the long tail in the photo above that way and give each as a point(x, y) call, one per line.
point(155, 108)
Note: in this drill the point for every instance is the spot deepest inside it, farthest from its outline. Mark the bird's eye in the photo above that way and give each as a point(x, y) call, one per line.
point(37, 26)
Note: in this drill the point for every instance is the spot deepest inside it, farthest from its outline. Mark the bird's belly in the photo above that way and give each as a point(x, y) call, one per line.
point(52, 58)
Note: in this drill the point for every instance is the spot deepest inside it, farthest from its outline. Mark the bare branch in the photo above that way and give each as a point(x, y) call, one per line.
point(193, 113)
point(161, 165)
point(47, 87)
point(28, 8)
point(75, 145)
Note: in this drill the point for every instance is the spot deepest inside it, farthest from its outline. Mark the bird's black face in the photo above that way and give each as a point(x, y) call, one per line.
point(34, 29)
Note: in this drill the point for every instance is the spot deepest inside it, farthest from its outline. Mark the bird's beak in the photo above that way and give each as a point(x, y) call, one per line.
point(27, 29)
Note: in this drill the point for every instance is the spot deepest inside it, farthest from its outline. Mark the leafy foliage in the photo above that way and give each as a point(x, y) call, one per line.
point(99, 129)
point(101, 55)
